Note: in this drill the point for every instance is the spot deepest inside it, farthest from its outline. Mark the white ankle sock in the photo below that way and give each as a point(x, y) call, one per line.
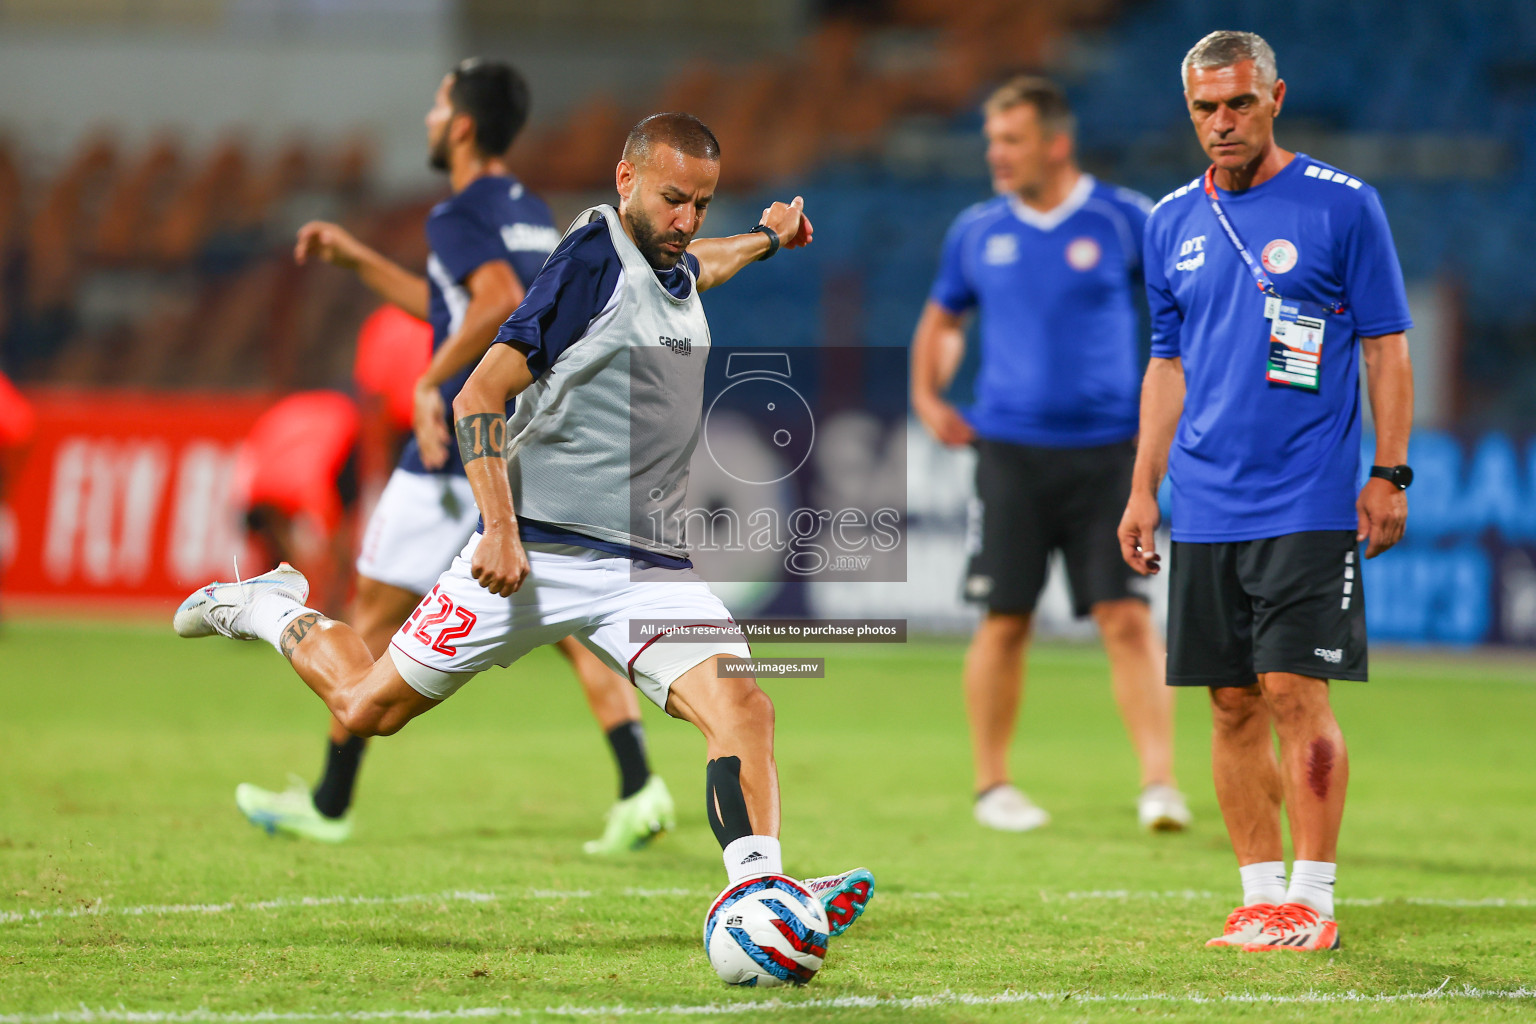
point(752, 855)
point(1312, 884)
point(1263, 882)
point(270, 614)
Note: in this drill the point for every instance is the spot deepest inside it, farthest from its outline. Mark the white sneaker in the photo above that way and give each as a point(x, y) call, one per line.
point(1004, 808)
point(1162, 808)
point(221, 607)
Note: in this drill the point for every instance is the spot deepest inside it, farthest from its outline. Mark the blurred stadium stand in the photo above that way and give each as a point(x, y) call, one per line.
point(158, 155)
point(162, 262)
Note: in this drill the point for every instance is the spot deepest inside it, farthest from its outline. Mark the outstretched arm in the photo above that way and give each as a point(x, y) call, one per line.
point(720, 258)
point(480, 421)
point(388, 279)
point(494, 292)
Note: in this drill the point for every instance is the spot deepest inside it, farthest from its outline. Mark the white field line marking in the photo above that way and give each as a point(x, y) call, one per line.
point(1190, 895)
point(283, 903)
point(100, 908)
point(121, 1015)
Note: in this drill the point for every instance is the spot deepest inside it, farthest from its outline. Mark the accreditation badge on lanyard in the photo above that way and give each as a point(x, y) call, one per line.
point(1296, 327)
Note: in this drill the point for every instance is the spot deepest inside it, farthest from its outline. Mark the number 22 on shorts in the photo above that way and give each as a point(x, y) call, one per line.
point(439, 620)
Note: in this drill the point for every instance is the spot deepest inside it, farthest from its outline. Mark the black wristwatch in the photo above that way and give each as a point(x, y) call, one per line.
point(1400, 476)
point(773, 240)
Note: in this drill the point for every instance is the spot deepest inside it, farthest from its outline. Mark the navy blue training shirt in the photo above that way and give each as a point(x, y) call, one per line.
point(494, 218)
point(579, 285)
point(1060, 366)
point(1251, 458)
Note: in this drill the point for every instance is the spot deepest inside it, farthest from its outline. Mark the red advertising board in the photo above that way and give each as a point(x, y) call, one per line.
point(123, 499)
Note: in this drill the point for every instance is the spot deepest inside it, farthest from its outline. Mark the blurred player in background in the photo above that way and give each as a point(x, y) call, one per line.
point(17, 422)
point(608, 355)
point(487, 240)
point(1255, 391)
point(393, 350)
point(1050, 265)
point(296, 478)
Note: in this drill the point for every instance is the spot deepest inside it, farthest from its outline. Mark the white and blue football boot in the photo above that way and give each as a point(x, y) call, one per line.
point(220, 607)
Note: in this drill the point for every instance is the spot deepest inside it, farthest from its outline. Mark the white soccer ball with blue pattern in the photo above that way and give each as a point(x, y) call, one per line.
point(766, 931)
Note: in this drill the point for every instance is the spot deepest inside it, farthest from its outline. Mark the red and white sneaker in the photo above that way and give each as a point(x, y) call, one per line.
point(1244, 925)
point(843, 896)
point(1296, 926)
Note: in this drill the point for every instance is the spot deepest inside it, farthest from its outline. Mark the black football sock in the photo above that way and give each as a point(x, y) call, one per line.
point(334, 794)
point(628, 743)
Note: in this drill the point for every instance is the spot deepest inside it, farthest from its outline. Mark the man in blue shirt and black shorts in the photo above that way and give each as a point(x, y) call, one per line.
point(1268, 278)
point(1050, 264)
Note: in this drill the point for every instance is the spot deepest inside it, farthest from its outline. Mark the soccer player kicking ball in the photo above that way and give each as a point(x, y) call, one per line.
point(599, 448)
point(488, 240)
point(1267, 279)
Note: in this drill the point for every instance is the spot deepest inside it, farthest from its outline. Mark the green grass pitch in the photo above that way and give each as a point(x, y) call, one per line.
point(131, 889)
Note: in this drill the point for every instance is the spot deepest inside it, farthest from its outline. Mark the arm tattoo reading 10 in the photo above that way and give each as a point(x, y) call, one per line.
point(297, 630)
point(482, 435)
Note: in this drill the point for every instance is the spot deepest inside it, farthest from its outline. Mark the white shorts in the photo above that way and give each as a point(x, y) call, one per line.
point(420, 523)
point(461, 629)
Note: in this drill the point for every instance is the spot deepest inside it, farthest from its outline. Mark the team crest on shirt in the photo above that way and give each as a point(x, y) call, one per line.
point(1000, 250)
point(1279, 256)
point(1083, 253)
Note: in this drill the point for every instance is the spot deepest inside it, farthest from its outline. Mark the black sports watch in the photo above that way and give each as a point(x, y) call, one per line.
point(1399, 476)
point(773, 241)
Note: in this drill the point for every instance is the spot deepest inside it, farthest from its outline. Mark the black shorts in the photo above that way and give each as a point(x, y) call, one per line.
point(1032, 501)
point(1282, 604)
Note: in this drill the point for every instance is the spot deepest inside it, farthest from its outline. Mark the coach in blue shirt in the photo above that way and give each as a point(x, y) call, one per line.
point(1268, 277)
point(1049, 264)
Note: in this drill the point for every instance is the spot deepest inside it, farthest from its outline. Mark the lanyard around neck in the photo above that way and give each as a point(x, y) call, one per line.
point(1255, 268)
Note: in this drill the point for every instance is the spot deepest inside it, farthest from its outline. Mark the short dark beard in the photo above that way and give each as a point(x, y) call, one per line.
point(650, 242)
point(437, 156)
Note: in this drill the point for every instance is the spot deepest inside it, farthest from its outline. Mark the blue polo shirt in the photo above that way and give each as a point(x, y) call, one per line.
point(493, 218)
point(1055, 295)
point(1254, 459)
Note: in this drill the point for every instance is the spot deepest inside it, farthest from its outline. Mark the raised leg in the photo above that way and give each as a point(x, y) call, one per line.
point(367, 697)
point(378, 609)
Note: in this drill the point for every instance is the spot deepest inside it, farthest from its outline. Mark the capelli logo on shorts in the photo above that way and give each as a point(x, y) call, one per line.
point(1332, 657)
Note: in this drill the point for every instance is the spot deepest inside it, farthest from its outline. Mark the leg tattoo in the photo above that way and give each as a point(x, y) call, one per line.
point(296, 631)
